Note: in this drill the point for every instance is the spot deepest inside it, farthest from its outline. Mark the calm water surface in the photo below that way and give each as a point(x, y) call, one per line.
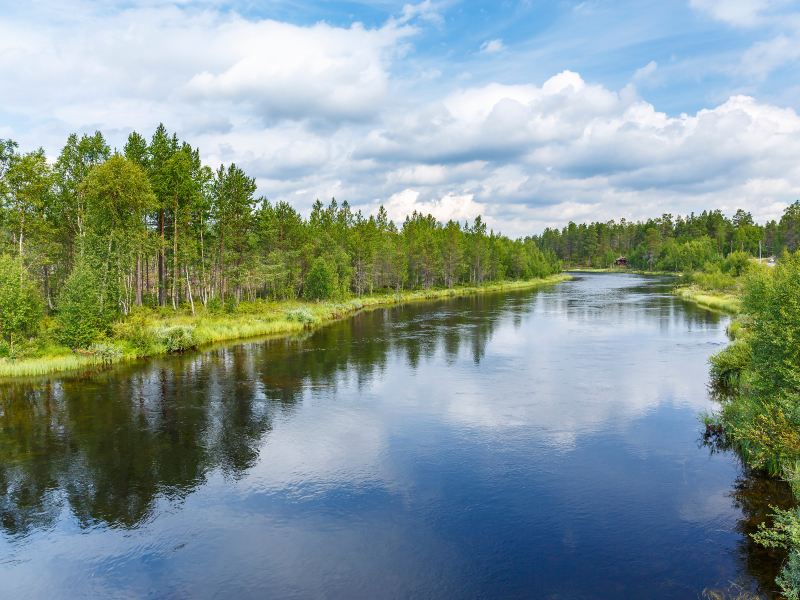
point(542, 444)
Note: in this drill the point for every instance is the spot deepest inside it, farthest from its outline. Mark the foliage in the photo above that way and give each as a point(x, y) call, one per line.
point(789, 578)
point(728, 365)
point(81, 313)
point(107, 353)
point(321, 282)
point(301, 315)
point(737, 263)
point(762, 416)
point(20, 306)
point(178, 338)
point(773, 302)
point(711, 278)
point(679, 244)
point(137, 332)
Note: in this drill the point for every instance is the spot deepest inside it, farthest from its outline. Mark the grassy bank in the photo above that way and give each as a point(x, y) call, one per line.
point(151, 333)
point(726, 302)
point(757, 380)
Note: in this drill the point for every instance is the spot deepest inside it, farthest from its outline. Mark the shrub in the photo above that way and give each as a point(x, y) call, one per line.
point(737, 263)
point(108, 353)
point(302, 315)
point(784, 533)
point(136, 331)
point(214, 305)
point(789, 579)
point(772, 300)
point(20, 305)
point(179, 338)
point(728, 365)
point(81, 314)
point(713, 279)
point(321, 282)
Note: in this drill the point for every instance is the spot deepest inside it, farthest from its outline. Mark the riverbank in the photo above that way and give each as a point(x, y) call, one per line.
point(150, 334)
point(721, 301)
point(756, 380)
point(620, 270)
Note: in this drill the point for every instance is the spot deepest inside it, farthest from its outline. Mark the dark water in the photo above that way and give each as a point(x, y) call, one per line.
point(535, 445)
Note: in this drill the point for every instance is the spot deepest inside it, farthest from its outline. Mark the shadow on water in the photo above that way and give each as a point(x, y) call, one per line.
point(756, 495)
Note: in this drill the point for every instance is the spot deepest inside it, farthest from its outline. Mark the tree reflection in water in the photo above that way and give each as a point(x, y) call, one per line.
point(108, 445)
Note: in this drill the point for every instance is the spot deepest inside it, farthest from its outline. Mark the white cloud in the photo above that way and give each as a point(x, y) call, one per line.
point(458, 207)
point(492, 46)
point(318, 111)
point(742, 13)
point(645, 72)
point(764, 57)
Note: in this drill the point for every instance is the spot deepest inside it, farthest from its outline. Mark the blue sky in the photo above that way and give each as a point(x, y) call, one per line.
point(527, 111)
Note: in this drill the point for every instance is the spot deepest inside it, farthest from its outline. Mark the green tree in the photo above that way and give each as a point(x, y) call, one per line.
point(20, 304)
point(118, 195)
point(81, 314)
point(28, 182)
point(321, 281)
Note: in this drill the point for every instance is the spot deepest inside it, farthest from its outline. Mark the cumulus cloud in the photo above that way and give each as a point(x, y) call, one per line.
point(459, 207)
point(129, 65)
point(319, 110)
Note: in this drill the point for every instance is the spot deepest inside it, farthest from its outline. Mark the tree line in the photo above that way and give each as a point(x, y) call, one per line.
point(672, 243)
point(97, 232)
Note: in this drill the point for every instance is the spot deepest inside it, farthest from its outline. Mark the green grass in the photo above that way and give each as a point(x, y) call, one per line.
point(720, 301)
point(146, 334)
point(32, 367)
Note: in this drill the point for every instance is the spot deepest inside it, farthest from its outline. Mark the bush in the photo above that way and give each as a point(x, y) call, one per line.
point(321, 282)
point(728, 365)
point(108, 353)
point(20, 305)
point(81, 315)
point(712, 279)
point(179, 338)
point(784, 533)
point(737, 263)
point(772, 299)
point(214, 306)
point(136, 331)
point(303, 315)
point(789, 579)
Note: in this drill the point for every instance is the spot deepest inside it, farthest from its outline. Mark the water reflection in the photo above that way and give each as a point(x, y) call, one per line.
point(107, 445)
point(536, 443)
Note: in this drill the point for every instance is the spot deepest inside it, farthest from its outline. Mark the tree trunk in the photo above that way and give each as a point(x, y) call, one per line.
point(175, 277)
point(189, 288)
point(138, 280)
point(161, 265)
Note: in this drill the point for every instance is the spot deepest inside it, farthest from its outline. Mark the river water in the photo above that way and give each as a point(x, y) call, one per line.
point(539, 444)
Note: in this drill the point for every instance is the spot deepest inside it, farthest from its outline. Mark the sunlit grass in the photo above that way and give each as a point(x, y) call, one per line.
point(720, 301)
point(31, 367)
point(253, 319)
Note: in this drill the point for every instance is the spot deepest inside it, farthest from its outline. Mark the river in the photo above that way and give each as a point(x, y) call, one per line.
point(539, 444)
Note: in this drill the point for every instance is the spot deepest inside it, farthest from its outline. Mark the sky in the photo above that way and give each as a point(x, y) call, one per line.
point(529, 112)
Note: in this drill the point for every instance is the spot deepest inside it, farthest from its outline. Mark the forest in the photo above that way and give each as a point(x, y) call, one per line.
point(97, 234)
point(669, 243)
